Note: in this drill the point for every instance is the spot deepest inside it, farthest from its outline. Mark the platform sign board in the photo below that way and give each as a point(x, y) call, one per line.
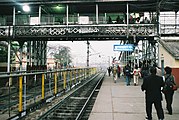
point(126, 47)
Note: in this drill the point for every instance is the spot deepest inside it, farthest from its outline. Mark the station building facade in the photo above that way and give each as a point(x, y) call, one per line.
point(169, 48)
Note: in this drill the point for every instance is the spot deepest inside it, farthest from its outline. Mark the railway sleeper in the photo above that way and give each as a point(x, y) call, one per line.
point(61, 117)
point(66, 114)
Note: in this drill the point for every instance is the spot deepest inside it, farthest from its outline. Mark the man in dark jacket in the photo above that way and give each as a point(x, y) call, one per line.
point(152, 85)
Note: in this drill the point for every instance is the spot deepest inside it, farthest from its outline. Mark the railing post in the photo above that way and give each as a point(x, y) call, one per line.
point(70, 78)
point(80, 75)
point(75, 75)
point(78, 71)
point(55, 89)
point(64, 80)
point(35, 79)
point(10, 83)
point(84, 73)
point(90, 72)
point(20, 93)
point(25, 92)
point(43, 85)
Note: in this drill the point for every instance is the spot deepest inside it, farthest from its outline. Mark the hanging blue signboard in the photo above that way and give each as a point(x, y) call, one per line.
point(126, 47)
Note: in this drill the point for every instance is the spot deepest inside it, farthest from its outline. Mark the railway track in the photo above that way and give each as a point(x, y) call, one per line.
point(78, 104)
point(32, 96)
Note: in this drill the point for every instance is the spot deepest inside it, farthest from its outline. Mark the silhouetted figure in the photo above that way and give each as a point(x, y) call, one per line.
point(131, 19)
point(152, 86)
point(169, 81)
point(109, 71)
point(137, 20)
point(61, 21)
point(118, 71)
point(114, 70)
point(109, 20)
point(145, 69)
point(118, 19)
point(127, 73)
point(146, 20)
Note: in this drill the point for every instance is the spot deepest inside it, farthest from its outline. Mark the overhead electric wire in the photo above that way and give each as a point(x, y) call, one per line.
point(92, 48)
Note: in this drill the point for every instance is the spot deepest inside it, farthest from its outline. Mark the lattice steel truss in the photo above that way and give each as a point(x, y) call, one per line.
point(84, 30)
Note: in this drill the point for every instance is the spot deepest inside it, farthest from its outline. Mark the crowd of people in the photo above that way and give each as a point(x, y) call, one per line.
point(154, 84)
point(116, 71)
point(132, 20)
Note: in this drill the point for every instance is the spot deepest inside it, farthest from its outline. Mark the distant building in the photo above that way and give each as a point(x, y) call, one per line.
point(50, 63)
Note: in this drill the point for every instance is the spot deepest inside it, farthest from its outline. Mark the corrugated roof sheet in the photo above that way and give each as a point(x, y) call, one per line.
point(172, 46)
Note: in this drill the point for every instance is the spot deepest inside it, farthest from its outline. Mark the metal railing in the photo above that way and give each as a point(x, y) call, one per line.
point(21, 93)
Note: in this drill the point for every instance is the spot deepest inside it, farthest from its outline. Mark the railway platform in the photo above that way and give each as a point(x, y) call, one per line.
point(116, 101)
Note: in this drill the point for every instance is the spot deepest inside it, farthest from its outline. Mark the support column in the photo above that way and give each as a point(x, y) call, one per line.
point(14, 16)
point(34, 53)
point(175, 21)
point(157, 52)
point(158, 21)
point(21, 43)
point(40, 10)
point(97, 14)
point(29, 54)
point(45, 53)
point(162, 64)
point(67, 14)
point(88, 53)
point(143, 49)
point(149, 50)
point(146, 50)
point(39, 53)
point(8, 71)
point(105, 17)
point(127, 20)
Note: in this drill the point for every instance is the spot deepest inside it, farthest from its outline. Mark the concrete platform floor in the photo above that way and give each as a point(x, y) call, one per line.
point(116, 101)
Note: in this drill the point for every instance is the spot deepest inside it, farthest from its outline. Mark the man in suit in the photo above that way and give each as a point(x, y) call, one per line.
point(152, 85)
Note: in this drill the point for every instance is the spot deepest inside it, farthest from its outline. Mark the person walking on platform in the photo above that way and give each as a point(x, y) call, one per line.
point(136, 75)
point(145, 69)
point(152, 85)
point(115, 74)
point(118, 71)
point(127, 73)
point(109, 70)
point(159, 71)
point(169, 92)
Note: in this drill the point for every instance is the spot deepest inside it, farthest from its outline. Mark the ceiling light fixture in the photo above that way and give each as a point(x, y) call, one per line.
point(26, 8)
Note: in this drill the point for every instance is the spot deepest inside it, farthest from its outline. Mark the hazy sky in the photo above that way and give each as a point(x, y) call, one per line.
point(79, 50)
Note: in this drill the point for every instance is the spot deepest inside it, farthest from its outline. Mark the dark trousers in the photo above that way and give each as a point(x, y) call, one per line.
point(109, 72)
point(118, 74)
point(169, 100)
point(158, 107)
point(128, 80)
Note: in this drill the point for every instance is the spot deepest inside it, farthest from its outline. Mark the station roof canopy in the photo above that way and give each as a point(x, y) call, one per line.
point(171, 45)
point(88, 6)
